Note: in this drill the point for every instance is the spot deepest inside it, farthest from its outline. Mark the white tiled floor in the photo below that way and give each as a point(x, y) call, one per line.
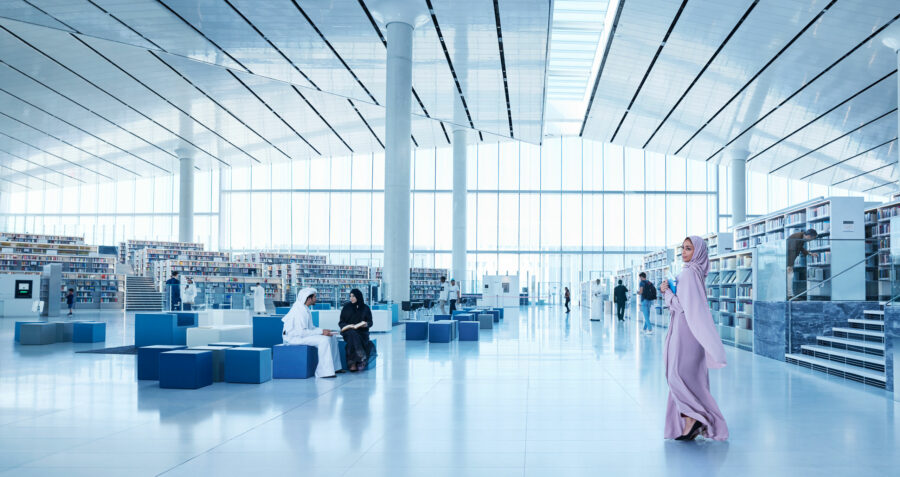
point(542, 394)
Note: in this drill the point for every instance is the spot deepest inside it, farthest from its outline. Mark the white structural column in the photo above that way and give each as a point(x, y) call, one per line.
point(186, 200)
point(397, 161)
point(460, 162)
point(738, 188)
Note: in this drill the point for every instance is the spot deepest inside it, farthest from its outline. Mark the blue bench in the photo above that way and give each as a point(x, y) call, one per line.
point(465, 317)
point(468, 330)
point(500, 311)
point(87, 332)
point(439, 317)
point(162, 328)
point(322, 306)
point(342, 350)
point(416, 330)
point(267, 331)
point(231, 344)
point(248, 365)
point(148, 360)
point(19, 326)
point(282, 310)
point(185, 369)
point(37, 333)
point(294, 361)
point(64, 330)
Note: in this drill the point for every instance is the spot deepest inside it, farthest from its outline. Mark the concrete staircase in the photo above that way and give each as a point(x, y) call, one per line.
point(853, 352)
point(141, 294)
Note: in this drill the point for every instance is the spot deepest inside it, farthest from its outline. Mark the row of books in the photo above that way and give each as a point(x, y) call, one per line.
point(41, 238)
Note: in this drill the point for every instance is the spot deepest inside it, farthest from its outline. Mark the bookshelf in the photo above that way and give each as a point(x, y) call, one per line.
point(163, 269)
point(839, 248)
point(332, 282)
point(27, 248)
point(879, 271)
point(424, 283)
point(231, 290)
point(145, 257)
point(128, 248)
point(277, 258)
point(93, 290)
point(45, 239)
point(16, 262)
point(730, 289)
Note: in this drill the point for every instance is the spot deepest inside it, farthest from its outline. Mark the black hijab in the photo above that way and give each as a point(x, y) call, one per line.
point(359, 297)
point(353, 313)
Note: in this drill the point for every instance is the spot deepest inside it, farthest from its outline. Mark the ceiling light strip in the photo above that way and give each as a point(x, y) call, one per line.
point(600, 69)
point(41, 166)
point(56, 156)
point(865, 173)
point(758, 73)
point(125, 25)
point(363, 119)
point(462, 97)
point(503, 67)
point(197, 30)
point(297, 90)
point(30, 175)
point(649, 68)
point(850, 158)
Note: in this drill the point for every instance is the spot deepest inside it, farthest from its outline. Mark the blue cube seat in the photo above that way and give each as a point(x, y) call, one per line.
point(231, 344)
point(468, 330)
point(162, 328)
point(218, 360)
point(439, 317)
point(499, 310)
point(88, 332)
point(64, 330)
point(342, 350)
point(267, 331)
point(486, 321)
point(248, 365)
point(416, 330)
point(439, 331)
point(37, 333)
point(148, 360)
point(19, 326)
point(465, 317)
point(282, 310)
point(454, 329)
point(294, 361)
point(185, 369)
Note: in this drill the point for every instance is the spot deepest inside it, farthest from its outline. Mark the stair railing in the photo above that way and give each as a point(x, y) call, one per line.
point(821, 284)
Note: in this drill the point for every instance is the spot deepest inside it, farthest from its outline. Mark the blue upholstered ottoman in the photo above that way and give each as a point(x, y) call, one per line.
point(64, 330)
point(486, 321)
point(218, 360)
point(294, 361)
point(282, 310)
point(440, 331)
point(416, 330)
point(468, 330)
point(37, 333)
point(454, 329)
point(499, 310)
point(19, 326)
point(162, 328)
point(185, 369)
point(88, 332)
point(465, 317)
point(267, 331)
point(442, 317)
point(342, 350)
point(148, 360)
point(248, 365)
point(496, 314)
point(458, 312)
point(231, 344)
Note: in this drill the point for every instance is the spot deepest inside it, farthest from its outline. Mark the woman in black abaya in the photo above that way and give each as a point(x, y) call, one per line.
point(359, 348)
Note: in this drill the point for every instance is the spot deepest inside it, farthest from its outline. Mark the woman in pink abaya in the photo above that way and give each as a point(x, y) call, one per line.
point(692, 346)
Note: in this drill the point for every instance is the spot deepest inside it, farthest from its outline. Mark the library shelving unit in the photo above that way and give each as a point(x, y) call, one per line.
point(128, 248)
point(279, 258)
point(145, 257)
point(332, 282)
point(163, 269)
point(730, 289)
point(28, 248)
point(93, 290)
point(657, 265)
point(225, 289)
point(72, 264)
point(879, 272)
point(38, 238)
point(839, 248)
point(424, 283)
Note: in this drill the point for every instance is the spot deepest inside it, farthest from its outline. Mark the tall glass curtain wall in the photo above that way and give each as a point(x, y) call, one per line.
point(558, 213)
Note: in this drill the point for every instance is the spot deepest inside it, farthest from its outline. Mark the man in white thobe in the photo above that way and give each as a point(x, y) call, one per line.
point(259, 299)
point(299, 330)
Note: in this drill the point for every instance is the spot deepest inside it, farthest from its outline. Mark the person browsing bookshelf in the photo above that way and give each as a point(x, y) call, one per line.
point(355, 322)
point(796, 246)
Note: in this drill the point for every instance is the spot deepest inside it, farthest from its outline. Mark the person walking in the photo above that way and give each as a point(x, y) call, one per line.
point(620, 296)
point(692, 346)
point(647, 292)
point(189, 295)
point(174, 290)
point(568, 297)
point(453, 294)
point(796, 243)
point(442, 297)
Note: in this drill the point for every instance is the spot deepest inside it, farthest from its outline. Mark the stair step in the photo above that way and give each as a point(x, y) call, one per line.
point(849, 342)
point(874, 325)
point(868, 358)
point(878, 334)
point(838, 369)
point(873, 312)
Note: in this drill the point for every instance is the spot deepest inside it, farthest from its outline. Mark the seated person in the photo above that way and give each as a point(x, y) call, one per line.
point(356, 319)
point(299, 330)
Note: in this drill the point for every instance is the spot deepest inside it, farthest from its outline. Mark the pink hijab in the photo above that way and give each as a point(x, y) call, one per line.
point(692, 296)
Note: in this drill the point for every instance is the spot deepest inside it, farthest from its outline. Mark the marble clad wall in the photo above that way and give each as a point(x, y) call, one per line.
point(808, 320)
point(892, 346)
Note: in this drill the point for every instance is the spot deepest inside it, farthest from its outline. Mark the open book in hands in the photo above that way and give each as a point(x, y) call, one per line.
point(357, 326)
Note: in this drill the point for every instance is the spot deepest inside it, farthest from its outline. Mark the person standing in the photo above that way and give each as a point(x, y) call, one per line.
point(453, 295)
point(647, 292)
point(357, 318)
point(299, 330)
point(442, 298)
point(568, 297)
point(795, 247)
point(620, 296)
point(259, 299)
point(174, 288)
point(70, 300)
point(692, 346)
point(189, 295)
